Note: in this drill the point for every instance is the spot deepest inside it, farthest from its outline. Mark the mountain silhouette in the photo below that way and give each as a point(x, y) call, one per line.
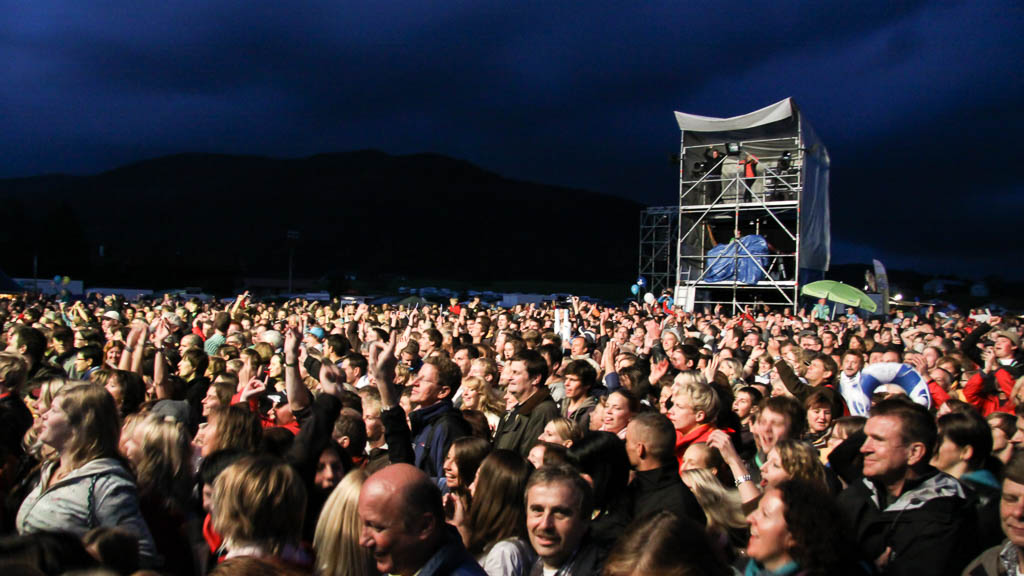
point(210, 220)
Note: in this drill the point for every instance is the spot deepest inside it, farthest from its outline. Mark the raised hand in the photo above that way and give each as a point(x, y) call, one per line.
point(292, 342)
point(757, 351)
point(134, 334)
point(330, 378)
point(608, 358)
point(720, 440)
point(403, 339)
point(384, 374)
point(386, 358)
point(254, 387)
point(161, 332)
point(658, 371)
point(712, 368)
point(989, 357)
point(919, 364)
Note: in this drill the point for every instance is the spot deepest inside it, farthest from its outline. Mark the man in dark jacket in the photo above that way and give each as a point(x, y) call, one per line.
point(434, 425)
point(650, 444)
point(519, 428)
point(908, 517)
point(559, 503)
point(31, 344)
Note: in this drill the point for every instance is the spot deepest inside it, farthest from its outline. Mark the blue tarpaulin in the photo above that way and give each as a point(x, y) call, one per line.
point(728, 262)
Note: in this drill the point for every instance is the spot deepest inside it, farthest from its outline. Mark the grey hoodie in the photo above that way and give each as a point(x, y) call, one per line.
point(100, 493)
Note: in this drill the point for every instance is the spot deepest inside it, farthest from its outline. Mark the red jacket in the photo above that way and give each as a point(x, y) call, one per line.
point(253, 405)
point(985, 401)
point(696, 436)
point(939, 396)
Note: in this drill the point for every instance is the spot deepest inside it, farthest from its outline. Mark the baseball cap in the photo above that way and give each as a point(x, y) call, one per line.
point(1008, 334)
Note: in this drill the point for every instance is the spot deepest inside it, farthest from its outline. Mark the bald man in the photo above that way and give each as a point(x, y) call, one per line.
point(404, 527)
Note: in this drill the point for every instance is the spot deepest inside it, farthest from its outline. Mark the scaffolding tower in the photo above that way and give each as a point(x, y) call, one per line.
point(659, 229)
point(743, 177)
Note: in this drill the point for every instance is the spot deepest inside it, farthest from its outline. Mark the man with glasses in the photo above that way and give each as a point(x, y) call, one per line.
point(88, 359)
point(425, 438)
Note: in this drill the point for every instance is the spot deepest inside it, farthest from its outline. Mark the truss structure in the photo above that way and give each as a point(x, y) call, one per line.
point(659, 230)
point(722, 198)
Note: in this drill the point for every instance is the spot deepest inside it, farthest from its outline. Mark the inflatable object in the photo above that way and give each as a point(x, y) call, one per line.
point(857, 393)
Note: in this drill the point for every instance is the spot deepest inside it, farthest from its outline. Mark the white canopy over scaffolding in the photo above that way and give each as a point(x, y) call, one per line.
point(764, 174)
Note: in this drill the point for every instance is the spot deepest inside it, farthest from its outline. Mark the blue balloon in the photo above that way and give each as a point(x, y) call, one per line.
point(634, 289)
point(641, 282)
point(56, 279)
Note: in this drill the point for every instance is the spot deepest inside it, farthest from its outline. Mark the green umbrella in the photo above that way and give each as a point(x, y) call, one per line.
point(838, 292)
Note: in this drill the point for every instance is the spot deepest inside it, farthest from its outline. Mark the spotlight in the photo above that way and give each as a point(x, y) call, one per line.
point(898, 297)
point(732, 148)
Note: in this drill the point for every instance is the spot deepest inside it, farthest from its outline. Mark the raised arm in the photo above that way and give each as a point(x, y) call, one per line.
point(130, 343)
point(385, 374)
point(298, 395)
point(748, 490)
point(238, 303)
point(396, 426)
point(159, 361)
point(139, 353)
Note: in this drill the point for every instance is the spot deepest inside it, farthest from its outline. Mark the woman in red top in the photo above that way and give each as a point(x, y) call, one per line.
point(694, 408)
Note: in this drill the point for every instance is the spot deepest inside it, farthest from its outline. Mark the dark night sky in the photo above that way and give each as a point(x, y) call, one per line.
point(919, 102)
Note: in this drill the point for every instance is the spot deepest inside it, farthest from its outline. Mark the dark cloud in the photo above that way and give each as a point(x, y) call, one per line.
point(564, 93)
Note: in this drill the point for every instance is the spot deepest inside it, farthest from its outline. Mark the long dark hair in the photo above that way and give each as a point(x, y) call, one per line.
point(498, 510)
point(602, 456)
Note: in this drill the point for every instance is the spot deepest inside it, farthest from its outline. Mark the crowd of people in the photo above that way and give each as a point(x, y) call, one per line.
point(183, 437)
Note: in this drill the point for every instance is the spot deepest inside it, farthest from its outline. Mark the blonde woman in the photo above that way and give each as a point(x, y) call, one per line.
point(162, 460)
point(258, 507)
point(791, 459)
point(733, 371)
point(48, 390)
point(128, 445)
point(726, 522)
point(86, 485)
point(160, 453)
point(477, 394)
point(336, 540)
point(561, 431)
